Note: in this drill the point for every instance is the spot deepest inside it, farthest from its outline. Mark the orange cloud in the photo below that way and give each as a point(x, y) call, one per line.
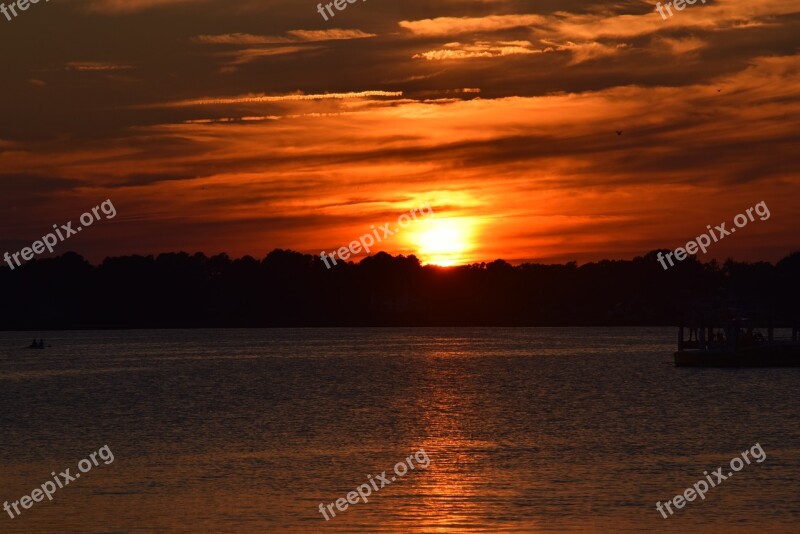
point(332, 34)
point(479, 49)
point(261, 98)
point(453, 26)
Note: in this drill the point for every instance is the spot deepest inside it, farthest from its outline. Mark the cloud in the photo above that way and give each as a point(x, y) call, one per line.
point(479, 49)
point(587, 51)
point(329, 35)
point(717, 16)
point(451, 25)
point(247, 55)
point(259, 45)
point(95, 66)
point(240, 39)
point(683, 47)
point(581, 52)
point(332, 34)
point(262, 98)
point(589, 27)
point(30, 185)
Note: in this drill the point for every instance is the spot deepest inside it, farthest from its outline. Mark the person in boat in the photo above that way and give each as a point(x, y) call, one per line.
point(34, 345)
point(41, 343)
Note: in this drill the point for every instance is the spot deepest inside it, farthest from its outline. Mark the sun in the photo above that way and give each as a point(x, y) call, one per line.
point(442, 241)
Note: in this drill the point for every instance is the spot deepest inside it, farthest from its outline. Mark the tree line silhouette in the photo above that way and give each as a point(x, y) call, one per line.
point(290, 289)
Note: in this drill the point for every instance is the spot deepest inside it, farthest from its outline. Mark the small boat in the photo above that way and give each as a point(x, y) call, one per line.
point(35, 345)
point(739, 344)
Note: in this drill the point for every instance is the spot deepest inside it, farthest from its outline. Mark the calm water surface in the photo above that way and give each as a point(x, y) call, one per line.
point(527, 430)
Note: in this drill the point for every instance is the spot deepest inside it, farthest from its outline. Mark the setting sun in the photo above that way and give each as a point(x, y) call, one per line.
point(443, 241)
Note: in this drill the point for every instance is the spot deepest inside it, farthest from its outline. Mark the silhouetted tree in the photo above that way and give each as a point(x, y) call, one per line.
point(288, 288)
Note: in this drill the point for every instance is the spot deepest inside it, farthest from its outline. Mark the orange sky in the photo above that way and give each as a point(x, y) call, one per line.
point(243, 127)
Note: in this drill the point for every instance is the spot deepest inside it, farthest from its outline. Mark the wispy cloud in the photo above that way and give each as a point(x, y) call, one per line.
point(479, 49)
point(332, 34)
point(240, 39)
point(684, 47)
point(456, 25)
point(587, 51)
point(262, 98)
point(248, 55)
point(261, 46)
point(96, 66)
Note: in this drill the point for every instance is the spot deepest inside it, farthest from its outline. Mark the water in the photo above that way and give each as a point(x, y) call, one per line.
point(527, 430)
